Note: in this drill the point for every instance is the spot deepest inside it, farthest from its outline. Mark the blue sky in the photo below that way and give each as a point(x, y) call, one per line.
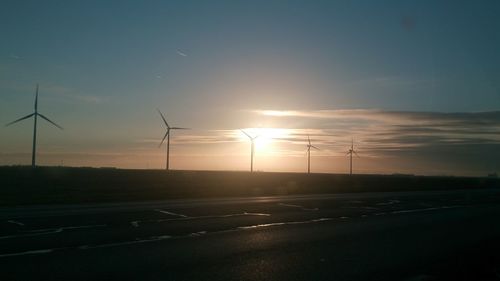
point(104, 66)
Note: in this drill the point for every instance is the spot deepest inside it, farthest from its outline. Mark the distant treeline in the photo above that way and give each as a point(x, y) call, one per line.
point(48, 185)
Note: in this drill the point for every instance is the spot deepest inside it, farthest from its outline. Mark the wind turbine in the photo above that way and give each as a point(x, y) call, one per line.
point(309, 146)
point(350, 153)
point(167, 135)
point(252, 139)
point(35, 114)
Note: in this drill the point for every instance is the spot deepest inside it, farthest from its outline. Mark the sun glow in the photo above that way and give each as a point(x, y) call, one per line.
point(265, 138)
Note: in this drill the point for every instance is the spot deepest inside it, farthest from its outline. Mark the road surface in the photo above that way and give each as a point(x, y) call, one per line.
point(448, 235)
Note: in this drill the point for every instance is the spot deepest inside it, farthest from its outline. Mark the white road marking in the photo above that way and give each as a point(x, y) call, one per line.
point(35, 252)
point(284, 223)
point(237, 215)
point(424, 210)
point(298, 206)
point(58, 230)
point(199, 233)
point(138, 241)
point(16, 222)
point(216, 216)
point(166, 237)
point(171, 213)
point(135, 223)
point(390, 202)
point(68, 227)
point(38, 232)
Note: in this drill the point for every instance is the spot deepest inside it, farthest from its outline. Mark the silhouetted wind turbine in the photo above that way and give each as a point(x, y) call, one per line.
point(167, 135)
point(309, 146)
point(252, 140)
point(350, 153)
point(35, 114)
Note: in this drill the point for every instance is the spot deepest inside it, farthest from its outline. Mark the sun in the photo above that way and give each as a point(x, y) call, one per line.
point(264, 137)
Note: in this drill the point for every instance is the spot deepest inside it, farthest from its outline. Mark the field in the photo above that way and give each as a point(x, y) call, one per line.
point(61, 185)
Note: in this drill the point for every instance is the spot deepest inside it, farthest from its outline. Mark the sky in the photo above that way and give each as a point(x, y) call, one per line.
point(414, 84)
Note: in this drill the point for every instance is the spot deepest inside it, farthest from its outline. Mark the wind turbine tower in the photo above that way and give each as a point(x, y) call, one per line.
point(167, 135)
point(309, 146)
point(350, 153)
point(35, 115)
point(252, 150)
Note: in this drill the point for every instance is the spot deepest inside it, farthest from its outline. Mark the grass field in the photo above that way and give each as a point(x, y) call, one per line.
point(62, 185)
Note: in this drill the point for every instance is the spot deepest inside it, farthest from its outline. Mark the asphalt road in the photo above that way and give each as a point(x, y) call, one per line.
point(452, 235)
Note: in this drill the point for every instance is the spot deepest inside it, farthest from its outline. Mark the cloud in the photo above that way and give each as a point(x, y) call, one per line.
point(404, 117)
point(466, 143)
point(379, 130)
point(390, 82)
point(202, 137)
point(70, 93)
point(54, 91)
point(410, 141)
point(16, 57)
point(375, 132)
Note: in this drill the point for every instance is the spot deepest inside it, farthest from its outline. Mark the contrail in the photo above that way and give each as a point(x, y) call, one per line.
point(181, 53)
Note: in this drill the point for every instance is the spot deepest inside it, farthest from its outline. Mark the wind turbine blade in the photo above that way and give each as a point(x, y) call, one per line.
point(179, 128)
point(246, 134)
point(164, 137)
point(48, 120)
point(348, 152)
point(36, 98)
point(309, 139)
point(163, 117)
point(355, 153)
point(314, 147)
point(20, 119)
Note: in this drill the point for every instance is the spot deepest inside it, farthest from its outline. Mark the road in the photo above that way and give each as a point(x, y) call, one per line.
point(370, 236)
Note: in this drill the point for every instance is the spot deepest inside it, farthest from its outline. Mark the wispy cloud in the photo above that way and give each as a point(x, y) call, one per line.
point(200, 137)
point(379, 131)
point(395, 117)
point(375, 132)
point(71, 94)
point(54, 91)
point(13, 56)
point(456, 142)
point(389, 81)
point(204, 139)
